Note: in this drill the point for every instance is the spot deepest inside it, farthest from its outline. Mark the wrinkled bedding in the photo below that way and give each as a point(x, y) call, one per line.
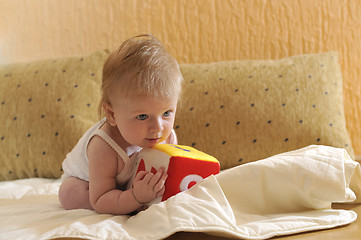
point(284, 194)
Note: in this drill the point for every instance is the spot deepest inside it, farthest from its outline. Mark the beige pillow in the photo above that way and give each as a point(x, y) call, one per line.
point(237, 111)
point(242, 111)
point(45, 107)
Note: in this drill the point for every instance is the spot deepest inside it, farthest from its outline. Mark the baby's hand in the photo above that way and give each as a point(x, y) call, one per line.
point(148, 186)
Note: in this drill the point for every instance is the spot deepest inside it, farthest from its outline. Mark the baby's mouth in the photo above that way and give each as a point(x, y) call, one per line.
point(152, 140)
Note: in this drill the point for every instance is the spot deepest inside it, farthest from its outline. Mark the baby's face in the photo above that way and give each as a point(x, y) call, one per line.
point(145, 121)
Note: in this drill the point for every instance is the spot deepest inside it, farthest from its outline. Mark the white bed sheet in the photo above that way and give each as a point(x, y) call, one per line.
point(284, 194)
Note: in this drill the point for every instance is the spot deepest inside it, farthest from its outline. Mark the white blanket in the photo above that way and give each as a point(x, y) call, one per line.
point(284, 194)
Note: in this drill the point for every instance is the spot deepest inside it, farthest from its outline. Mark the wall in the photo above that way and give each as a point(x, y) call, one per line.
point(193, 31)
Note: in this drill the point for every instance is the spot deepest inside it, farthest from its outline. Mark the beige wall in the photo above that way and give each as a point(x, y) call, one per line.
point(192, 30)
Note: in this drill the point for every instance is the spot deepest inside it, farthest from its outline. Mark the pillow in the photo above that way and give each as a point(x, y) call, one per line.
point(242, 111)
point(45, 107)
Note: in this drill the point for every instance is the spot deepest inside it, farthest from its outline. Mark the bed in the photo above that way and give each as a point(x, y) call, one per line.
point(276, 126)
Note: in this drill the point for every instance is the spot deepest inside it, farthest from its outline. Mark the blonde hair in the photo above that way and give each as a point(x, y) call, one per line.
point(140, 66)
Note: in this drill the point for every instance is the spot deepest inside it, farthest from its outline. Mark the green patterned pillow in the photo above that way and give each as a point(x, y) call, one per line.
point(237, 111)
point(242, 111)
point(45, 106)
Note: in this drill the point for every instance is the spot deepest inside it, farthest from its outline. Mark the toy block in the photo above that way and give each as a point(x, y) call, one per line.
point(184, 165)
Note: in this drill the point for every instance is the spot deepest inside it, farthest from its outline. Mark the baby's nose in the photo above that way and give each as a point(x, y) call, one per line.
point(156, 126)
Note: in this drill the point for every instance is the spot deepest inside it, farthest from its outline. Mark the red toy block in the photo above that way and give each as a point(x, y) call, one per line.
point(184, 165)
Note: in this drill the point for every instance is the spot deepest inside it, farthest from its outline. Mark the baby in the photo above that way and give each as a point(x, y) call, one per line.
point(140, 90)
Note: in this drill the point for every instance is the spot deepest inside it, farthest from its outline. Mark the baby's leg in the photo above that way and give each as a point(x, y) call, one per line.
point(74, 194)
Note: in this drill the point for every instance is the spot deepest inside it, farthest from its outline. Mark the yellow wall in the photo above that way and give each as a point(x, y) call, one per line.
point(193, 31)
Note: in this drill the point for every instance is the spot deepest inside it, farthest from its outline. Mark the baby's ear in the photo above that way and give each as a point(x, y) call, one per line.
point(109, 113)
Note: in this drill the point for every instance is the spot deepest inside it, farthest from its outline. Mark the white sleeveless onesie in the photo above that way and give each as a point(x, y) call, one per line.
point(76, 162)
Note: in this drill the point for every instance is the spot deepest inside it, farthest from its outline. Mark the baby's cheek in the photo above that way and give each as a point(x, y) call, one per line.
point(133, 136)
point(168, 136)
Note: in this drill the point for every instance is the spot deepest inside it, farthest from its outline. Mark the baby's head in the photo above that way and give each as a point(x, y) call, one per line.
point(140, 67)
point(141, 86)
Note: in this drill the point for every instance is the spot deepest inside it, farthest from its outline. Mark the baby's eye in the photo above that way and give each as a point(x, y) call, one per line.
point(167, 113)
point(142, 117)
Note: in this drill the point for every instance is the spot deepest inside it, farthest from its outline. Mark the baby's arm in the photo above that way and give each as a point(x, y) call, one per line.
point(103, 194)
